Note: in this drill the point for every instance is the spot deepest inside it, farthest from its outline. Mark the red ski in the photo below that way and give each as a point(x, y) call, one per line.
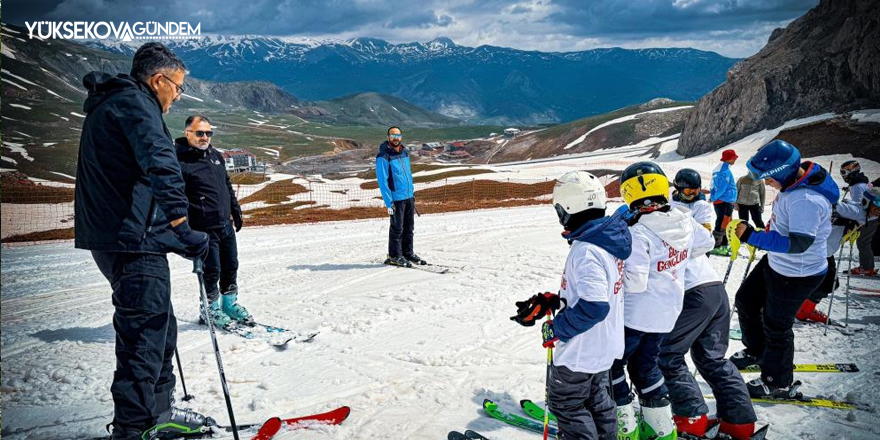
point(274, 425)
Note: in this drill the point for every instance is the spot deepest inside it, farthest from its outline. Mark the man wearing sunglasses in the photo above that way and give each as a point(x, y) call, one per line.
point(395, 180)
point(213, 208)
point(131, 210)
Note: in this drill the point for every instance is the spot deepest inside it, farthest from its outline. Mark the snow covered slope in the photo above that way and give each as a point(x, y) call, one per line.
point(413, 353)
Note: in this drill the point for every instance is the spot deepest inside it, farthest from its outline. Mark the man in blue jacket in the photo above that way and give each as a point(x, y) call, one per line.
point(131, 210)
point(722, 195)
point(394, 176)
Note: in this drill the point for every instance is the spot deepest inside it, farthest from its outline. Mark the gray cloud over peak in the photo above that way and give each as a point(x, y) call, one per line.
point(731, 27)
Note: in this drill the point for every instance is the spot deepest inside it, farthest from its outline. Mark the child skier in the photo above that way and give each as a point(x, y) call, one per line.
point(702, 328)
point(664, 239)
point(589, 328)
point(795, 264)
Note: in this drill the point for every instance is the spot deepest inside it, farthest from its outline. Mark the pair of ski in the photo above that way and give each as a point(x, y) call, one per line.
point(277, 337)
point(467, 435)
point(268, 429)
point(535, 421)
point(433, 268)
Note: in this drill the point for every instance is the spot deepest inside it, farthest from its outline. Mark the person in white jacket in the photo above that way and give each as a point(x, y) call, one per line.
point(588, 329)
point(664, 239)
point(702, 329)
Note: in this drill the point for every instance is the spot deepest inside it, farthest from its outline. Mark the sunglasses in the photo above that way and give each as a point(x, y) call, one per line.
point(200, 133)
point(395, 136)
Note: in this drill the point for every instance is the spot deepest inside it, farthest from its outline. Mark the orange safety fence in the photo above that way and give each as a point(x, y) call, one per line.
point(37, 212)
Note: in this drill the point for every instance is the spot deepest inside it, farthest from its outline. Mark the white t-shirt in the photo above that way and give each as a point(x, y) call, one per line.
point(806, 212)
point(654, 275)
point(592, 274)
point(699, 270)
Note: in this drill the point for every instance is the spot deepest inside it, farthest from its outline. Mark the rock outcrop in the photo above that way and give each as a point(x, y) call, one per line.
point(828, 60)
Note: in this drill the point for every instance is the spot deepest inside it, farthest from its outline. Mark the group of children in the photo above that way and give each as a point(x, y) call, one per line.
point(638, 292)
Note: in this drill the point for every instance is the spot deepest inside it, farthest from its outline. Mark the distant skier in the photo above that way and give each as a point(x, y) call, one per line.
point(213, 208)
point(702, 328)
point(723, 195)
point(394, 175)
point(852, 174)
point(589, 327)
point(795, 265)
point(750, 199)
point(131, 210)
point(664, 240)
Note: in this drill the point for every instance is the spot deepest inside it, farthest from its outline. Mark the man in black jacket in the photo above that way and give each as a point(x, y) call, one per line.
point(211, 204)
point(131, 210)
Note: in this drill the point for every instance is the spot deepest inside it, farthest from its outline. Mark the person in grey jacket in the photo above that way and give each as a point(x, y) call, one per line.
point(750, 200)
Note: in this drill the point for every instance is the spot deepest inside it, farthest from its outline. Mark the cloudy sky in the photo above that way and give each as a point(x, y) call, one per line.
point(736, 28)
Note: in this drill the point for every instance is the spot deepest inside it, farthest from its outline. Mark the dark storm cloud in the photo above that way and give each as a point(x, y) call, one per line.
point(732, 27)
point(641, 18)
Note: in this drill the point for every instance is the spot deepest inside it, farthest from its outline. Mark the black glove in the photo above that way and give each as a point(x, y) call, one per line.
point(236, 218)
point(536, 308)
point(195, 243)
point(744, 238)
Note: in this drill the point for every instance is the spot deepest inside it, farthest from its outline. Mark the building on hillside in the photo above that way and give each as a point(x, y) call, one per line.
point(454, 146)
point(432, 146)
point(511, 132)
point(412, 147)
point(239, 160)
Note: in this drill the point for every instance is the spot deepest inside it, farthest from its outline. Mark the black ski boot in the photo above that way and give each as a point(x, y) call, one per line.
point(398, 261)
point(758, 389)
point(179, 423)
point(743, 360)
point(414, 259)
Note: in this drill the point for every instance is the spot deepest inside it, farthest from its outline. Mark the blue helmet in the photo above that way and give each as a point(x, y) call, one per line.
point(777, 160)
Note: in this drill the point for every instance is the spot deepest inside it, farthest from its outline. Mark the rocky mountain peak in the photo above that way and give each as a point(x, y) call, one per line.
point(825, 61)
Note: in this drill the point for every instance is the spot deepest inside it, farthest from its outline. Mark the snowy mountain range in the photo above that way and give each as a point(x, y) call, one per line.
point(485, 84)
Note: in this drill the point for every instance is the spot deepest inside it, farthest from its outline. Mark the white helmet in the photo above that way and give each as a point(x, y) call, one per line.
point(577, 191)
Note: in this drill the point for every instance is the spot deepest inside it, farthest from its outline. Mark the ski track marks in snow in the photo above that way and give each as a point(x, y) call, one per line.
point(413, 353)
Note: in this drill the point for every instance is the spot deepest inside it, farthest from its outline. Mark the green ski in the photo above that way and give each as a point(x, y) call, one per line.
point(534, 410)
point(811, 368)
point(492, 410)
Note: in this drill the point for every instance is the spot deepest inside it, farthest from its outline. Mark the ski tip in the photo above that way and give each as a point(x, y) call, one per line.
point(760, 434)
point(488, 403)
point(269, 429)
point(455, 435)
point(524, 402)
point(474, 435)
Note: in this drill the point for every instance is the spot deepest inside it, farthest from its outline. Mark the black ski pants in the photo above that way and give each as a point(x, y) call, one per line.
point(829, 283)
point(767, 303)
point(582, 405)
point(400, 235)
point(640, 356)
point(753, 211)
point(146, 336)
point(221, 262)
point(703, 328)
point(723, 213)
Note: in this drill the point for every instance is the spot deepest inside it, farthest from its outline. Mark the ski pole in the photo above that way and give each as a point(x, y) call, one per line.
point(186, 396)
point(547, 387)
point(852, 243)
point(831, 301)
point(199, 271)
point(734, 243)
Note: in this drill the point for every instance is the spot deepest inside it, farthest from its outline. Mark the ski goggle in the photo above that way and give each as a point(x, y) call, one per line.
point(845, 172)
point(564, 217)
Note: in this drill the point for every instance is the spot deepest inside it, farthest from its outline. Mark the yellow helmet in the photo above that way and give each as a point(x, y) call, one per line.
point(644, 183)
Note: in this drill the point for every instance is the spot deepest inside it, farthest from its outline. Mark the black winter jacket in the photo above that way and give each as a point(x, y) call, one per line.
point(128, 181)
point(208, 188)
